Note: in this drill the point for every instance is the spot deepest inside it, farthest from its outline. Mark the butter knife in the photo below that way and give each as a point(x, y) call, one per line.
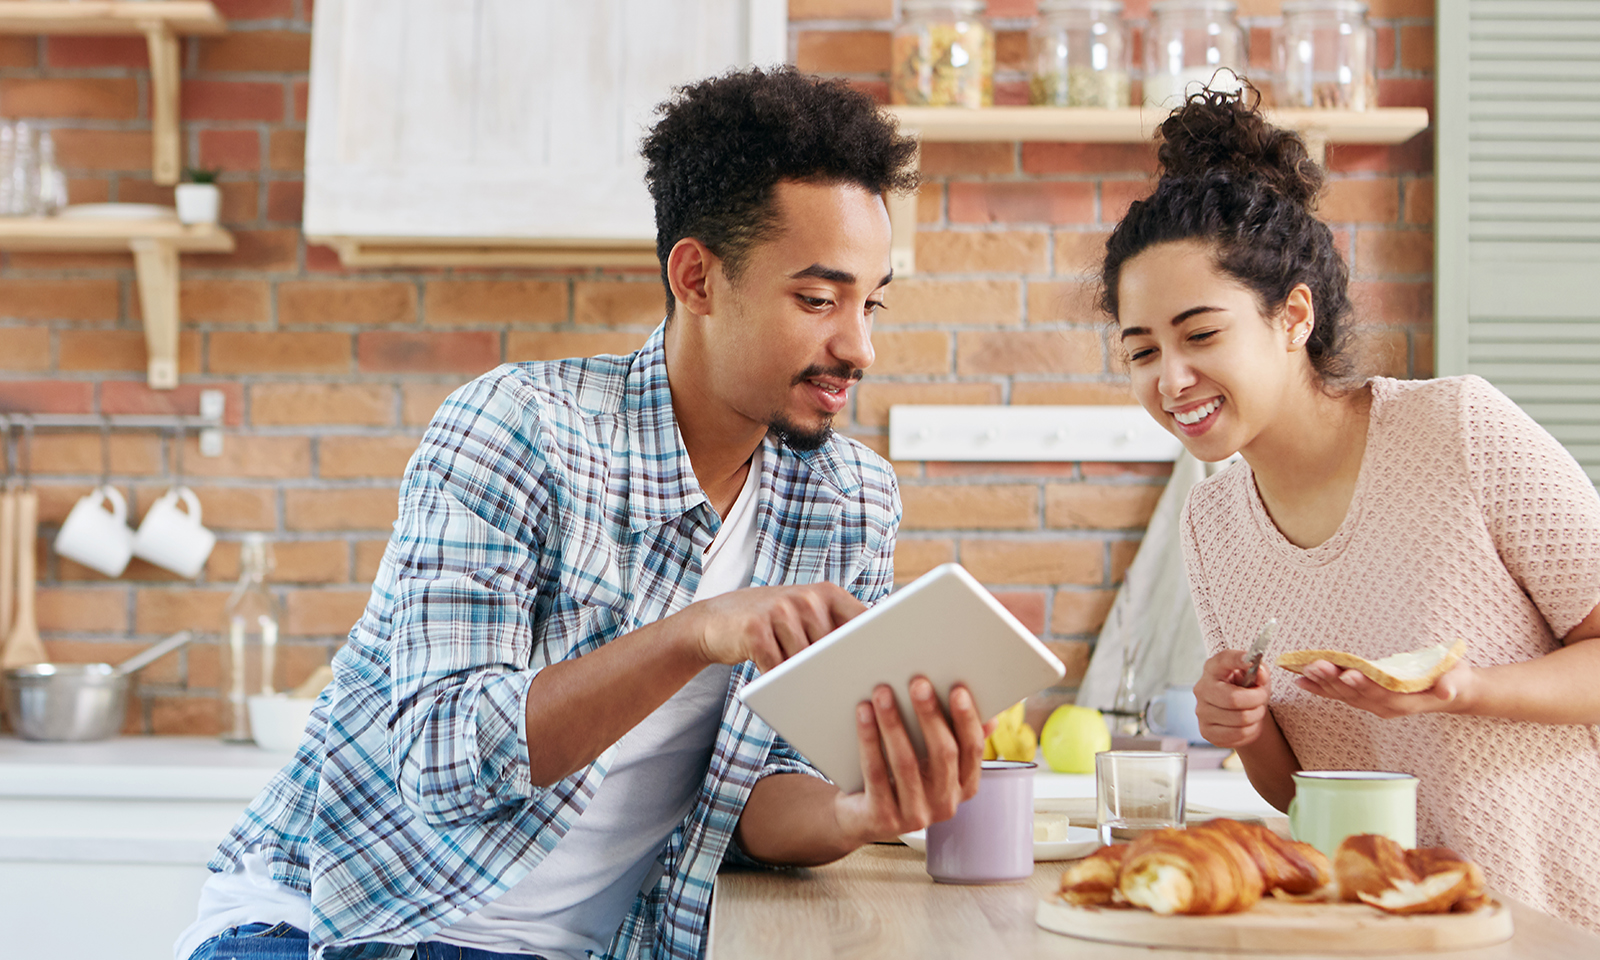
point(1259, 650)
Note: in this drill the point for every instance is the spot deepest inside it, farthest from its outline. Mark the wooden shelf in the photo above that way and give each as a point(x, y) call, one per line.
point(1134, 125)
point(161, 22)
point(399, 252)
point(1387, 125)
point(109, 16)
point(155, 245)
point(84, 235)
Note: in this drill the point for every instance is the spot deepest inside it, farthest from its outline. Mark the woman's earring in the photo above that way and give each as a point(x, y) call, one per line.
point(1304, 334)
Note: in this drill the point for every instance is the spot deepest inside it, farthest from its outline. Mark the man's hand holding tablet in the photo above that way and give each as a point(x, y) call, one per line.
point(840, 703)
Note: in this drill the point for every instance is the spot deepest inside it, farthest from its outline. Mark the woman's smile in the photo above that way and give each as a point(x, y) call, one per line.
point(1197, 418)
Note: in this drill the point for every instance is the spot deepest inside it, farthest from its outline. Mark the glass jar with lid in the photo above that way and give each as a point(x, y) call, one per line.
point(943, 55)
point(1078, 55)
point(1326, 56)
point(1186, 45)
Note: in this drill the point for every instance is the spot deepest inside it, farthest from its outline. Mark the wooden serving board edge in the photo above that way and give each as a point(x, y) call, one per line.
point(1278, 926)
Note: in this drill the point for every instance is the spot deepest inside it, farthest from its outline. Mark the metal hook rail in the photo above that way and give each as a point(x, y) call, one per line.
point(207, 423)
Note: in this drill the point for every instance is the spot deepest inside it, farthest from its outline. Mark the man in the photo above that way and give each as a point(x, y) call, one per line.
point(532, 744)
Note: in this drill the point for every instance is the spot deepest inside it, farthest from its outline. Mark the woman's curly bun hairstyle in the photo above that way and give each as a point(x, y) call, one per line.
point(1248, 189)
point(722, 145)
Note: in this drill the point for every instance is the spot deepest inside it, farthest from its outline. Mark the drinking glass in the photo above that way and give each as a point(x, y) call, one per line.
point(1137, 791)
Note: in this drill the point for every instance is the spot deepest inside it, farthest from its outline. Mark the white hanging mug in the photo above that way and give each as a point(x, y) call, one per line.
point(97, 537)
point(171, 535)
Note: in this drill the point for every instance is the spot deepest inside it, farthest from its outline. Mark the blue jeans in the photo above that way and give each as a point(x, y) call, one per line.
point(280, 941)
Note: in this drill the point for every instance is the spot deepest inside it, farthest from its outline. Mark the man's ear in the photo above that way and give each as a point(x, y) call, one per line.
point(689, 269)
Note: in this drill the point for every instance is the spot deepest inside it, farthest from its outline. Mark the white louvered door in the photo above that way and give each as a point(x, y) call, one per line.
point(1518, 212)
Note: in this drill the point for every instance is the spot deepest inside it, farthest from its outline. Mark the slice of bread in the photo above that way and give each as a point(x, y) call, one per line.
point(1406, 672)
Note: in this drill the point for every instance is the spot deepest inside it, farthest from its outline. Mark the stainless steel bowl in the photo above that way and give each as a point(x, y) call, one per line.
point(66, 701)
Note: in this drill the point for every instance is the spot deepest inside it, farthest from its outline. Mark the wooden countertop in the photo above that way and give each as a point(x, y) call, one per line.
point(879, 902)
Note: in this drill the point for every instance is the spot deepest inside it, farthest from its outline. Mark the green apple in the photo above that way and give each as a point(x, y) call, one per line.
point(1071, 738)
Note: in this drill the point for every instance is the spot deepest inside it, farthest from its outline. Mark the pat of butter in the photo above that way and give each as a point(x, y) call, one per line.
point(1050, 827)
point(1412, 663)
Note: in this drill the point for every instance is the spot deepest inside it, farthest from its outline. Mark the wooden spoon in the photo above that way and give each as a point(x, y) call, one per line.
point(8, 557)
point(23, 645)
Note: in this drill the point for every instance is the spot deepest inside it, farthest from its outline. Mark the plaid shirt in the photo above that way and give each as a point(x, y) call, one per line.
point(550, 508)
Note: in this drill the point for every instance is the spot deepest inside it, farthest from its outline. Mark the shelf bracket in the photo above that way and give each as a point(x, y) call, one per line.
point(1316, 141)
point(903, 224)
point(156, 264)
point(163, 46)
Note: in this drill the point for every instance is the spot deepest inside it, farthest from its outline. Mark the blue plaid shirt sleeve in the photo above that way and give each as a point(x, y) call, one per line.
point(466, 554)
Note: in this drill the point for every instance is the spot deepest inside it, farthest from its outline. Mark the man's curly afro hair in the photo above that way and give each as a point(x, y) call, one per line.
point(723, 144)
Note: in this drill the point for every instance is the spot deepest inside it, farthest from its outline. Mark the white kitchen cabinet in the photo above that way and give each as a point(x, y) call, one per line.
point(504, 131)
point(103, 846)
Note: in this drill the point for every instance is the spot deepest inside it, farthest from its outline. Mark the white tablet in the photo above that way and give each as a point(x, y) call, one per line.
point(944, 626)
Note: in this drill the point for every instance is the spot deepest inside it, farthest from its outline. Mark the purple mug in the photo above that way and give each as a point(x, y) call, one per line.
point(990, 839)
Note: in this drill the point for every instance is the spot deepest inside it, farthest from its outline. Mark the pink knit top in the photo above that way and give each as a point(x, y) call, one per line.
point(1468, 520)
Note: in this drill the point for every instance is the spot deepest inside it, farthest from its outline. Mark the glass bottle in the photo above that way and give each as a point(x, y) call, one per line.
point(249, 654)
point(1078, 55)
point(1128, 707)
point(1325, 56)
point(943, 55)
point(1187, 43)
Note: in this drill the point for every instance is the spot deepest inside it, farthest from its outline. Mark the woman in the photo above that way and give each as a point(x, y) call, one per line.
point(1370, 516)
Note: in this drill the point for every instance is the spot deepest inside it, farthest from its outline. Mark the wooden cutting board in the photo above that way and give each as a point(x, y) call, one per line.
point(1281, 926)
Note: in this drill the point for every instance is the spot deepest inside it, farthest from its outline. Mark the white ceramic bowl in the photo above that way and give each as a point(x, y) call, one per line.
point(277, 722)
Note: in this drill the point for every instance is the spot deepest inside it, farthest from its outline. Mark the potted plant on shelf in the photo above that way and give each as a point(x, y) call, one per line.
point(199, 200)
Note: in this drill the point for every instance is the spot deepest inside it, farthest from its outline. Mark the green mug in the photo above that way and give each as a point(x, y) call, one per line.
point(1330, 805)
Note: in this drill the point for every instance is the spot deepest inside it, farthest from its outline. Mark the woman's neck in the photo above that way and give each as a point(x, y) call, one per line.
point(1307, 461)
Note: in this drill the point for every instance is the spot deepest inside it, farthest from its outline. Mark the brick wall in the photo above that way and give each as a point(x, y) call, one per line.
point(330, 375)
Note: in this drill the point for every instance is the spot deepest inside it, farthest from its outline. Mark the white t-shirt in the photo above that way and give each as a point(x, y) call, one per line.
point(574, 899)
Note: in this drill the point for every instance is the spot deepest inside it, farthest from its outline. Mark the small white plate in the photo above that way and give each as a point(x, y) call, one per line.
point(1080, 842)
point(117, 211)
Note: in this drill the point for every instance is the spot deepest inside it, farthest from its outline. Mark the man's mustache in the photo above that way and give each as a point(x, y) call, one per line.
point(838, 373)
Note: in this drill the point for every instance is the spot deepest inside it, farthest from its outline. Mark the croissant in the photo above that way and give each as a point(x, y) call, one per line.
point(1222, 866)
point(1291, 866)
point(1376, 870)
point(1370, 863)
point(1191, 872)
point(1431, 861)
point(1092, 881)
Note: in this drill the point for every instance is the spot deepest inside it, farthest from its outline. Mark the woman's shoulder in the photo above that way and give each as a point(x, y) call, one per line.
point(1461, 407)
point(1435, 395)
